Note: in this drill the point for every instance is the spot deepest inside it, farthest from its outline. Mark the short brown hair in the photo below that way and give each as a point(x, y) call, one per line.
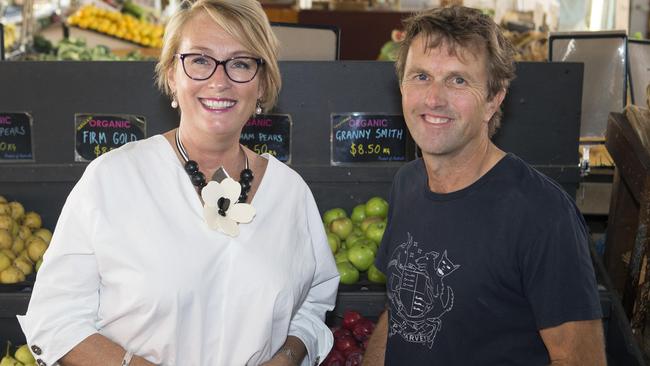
point(245, 21)
point(462, 27)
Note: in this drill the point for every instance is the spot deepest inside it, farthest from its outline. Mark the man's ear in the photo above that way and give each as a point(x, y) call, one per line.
point(493, 105)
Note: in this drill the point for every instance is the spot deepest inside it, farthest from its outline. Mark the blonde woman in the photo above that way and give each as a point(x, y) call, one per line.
point(187, 248)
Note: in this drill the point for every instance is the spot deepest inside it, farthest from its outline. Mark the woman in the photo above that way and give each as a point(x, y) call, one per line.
point(151, 265)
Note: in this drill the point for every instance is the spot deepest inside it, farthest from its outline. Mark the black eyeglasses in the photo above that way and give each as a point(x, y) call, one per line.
point(198, 66)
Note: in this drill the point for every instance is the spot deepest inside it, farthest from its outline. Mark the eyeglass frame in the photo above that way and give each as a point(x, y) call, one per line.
point(258, 61)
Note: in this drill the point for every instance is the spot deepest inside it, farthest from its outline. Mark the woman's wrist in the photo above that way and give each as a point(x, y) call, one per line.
point(287, 354)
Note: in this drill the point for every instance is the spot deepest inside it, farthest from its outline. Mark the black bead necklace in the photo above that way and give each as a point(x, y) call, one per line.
point(198, 178)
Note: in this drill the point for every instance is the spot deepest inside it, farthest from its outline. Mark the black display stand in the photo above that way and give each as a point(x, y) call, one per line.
point(541, 121)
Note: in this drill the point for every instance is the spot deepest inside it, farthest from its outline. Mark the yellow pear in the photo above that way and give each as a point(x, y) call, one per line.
point(5, 209)
point(23, 355)
point(3, 200)
point(36, 248)
point(17, 210)
point(44, 234)
point(18, 245)
point(5, 262)
point(9, 361)
point(6, 241)
point(32, 220)
point(24, 255)
point(12, 275)
point(14, 230)
point(6, 222)
point(8, 253)
point(24, 232)
point(31, 238)
point(24, 266)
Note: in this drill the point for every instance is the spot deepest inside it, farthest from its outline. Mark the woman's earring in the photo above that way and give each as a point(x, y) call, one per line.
point(258, 108)
point(174, 102)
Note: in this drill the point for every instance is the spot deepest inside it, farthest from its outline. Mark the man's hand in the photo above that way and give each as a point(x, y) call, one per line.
point(576, 343)
point(376, 350)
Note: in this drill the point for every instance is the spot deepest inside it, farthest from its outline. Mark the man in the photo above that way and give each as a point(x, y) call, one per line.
point(487, 260)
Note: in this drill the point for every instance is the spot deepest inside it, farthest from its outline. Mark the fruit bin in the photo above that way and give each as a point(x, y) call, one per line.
point(541, 125)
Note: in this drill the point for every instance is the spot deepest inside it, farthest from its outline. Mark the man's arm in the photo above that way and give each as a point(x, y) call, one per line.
point(575, 343)
point(376, 349)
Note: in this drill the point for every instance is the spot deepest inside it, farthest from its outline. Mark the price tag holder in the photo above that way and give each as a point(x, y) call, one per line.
point(96, 134)
point(269, 133)
point(368, 138)
point(16, 141)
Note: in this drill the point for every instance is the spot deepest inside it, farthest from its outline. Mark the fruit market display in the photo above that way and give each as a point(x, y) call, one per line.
point(354, 239)
point(75, 49)
point(22, 242)
point(530, 46)
point(21, 356)
point(119, 25)
point(350, 340)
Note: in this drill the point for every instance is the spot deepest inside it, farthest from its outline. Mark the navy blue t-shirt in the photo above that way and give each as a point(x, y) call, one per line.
point(474, 274)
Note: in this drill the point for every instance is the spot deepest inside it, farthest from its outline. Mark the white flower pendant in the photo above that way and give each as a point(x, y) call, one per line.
point(221, 210)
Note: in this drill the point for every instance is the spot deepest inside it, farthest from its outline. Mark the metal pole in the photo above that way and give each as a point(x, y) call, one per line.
point(27, 26)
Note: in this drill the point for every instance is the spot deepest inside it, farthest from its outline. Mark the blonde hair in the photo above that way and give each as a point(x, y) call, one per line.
point(245, 21)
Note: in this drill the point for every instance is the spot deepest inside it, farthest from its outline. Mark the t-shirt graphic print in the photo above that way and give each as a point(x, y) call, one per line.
point(417, 291)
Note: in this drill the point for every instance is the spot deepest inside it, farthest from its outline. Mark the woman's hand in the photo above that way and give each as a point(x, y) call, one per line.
point(290, 354)
point(279, 360)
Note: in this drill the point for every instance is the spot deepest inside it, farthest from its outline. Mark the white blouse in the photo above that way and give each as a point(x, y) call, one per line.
point(132, 258)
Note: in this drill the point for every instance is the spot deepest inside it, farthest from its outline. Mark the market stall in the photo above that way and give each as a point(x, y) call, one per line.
point(55, 158)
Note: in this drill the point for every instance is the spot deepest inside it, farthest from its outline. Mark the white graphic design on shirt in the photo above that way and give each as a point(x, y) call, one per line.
point(417, 292)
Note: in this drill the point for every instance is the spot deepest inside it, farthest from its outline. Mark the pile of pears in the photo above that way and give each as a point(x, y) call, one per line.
point(22, 357)
point(22, 242)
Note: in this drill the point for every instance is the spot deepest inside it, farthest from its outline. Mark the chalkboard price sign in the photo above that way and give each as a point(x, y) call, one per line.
point(368, 138)
point(269, 133)
point(16, 137)
point(96, 134)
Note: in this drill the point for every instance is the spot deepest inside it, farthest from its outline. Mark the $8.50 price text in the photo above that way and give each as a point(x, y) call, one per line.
point(368, 149)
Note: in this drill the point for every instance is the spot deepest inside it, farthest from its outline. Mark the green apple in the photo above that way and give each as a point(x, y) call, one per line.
point(333, 214)
point(367, 221)
point(353, 239)
point(24, 355)
point(349, 274)
point(377, 207)
point(341, 256)
point(361, 256)
point(375, 275)
point(342, 227)
point(375, 231)
point(358, 213)
point(374, 247)
point(334, 242)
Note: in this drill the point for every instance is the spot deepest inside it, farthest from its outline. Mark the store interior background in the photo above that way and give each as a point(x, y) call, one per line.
point(366, 30)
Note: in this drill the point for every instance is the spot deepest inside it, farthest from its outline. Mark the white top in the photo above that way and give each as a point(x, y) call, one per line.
point(132, 258)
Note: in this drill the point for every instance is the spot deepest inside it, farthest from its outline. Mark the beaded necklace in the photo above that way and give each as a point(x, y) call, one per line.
point(198, 178)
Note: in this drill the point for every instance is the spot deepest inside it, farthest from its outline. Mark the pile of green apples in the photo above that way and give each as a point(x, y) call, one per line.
point(355, 239)
point(22, 357)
